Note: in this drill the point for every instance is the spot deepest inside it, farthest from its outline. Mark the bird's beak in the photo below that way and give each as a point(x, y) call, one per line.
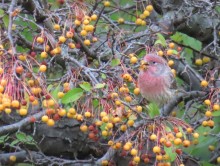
point(143, 65)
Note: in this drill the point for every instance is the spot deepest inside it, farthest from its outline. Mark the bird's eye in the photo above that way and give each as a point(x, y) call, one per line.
point(154, 62)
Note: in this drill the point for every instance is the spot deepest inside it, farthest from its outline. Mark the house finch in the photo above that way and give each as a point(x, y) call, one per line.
point(155, 79)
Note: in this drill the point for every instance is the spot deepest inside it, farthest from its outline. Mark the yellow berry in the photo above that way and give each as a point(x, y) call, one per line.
point(138, 21)
point(137, 91)
point(87, 42)
point(83, 128)
point(44, 118)
point(215, 107)
point(56, 27)
point(50, 122)
point(206, 59)
point(207, 102)
point(170, 63)
point(23, 112)
point(133, 60)
point(150, 8)
point(204, 83)
point(198, 62)
point(94, 17)
point(62, 39)
point(146, 13)
point(171, 45)
point(107, 3)
point(43, 68)
point(12, 158)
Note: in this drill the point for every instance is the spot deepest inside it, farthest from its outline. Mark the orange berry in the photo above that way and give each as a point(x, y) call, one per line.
point(133, 60)
point(208, 113)
point(160, 53)
point(204, 83)
point(56, 27)
point(137, 91)
point(169, 52)
point(171, 45)
point(130, 122)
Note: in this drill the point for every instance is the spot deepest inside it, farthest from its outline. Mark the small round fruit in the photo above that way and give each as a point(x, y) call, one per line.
point(94, 17)
point(104, 133)
point(60, 95)
point(43, 54)
point(207, 102)
point(69, 34)
point(77, 22)
point(170, 63)
point(40, 40)
point(56, 27)
point(23, 111)
point(50, 122)
point(44, 118)
point(150, 8)
point(137, 91)
point(186, 143)
point(156, 149)
point(146, 13)
point(87, 114)
point(107, 3)
point(62, 39)
point(130, 122)
point(160, 53)
point(216, 107)
point(43, 68)
point(198, 62)
point(171, 45)
point(179, 135)
point(15, 103)
point(12, 158)
point(83, 33)
point(204, 83)
point(218, 160)
point(133, 60)
point(72, 45)
point(121, 21)
point(169, 52)
point(208, 113)
point(19, 69)
point(83, 128)
point(134, 152)
point(136, 159)
point(87, 42)
point(153, 137)
point(206, 59)
point(138, 21)
point(204, 123)
point(196, 135)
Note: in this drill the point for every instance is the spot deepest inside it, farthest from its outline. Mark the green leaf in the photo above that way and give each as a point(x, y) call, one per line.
point(103, 126)
point(14, 142)
point(21, 136)
point(217, 8)
point(3, 138)
point(6, 20)
point(86, 86)
point(186, 40)
point(72, 95)
point(188, 55)
point(55, 92)
point(2, 12)
point(160, 40)
point(115, 62)
point(216, 113)
point(95, 103)
point(206, 163)
point(153, 110)
point(103, 76)
point(169, 151)
point(99, 86)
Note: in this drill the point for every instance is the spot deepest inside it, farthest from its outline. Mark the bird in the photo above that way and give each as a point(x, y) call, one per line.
point(155, 79)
